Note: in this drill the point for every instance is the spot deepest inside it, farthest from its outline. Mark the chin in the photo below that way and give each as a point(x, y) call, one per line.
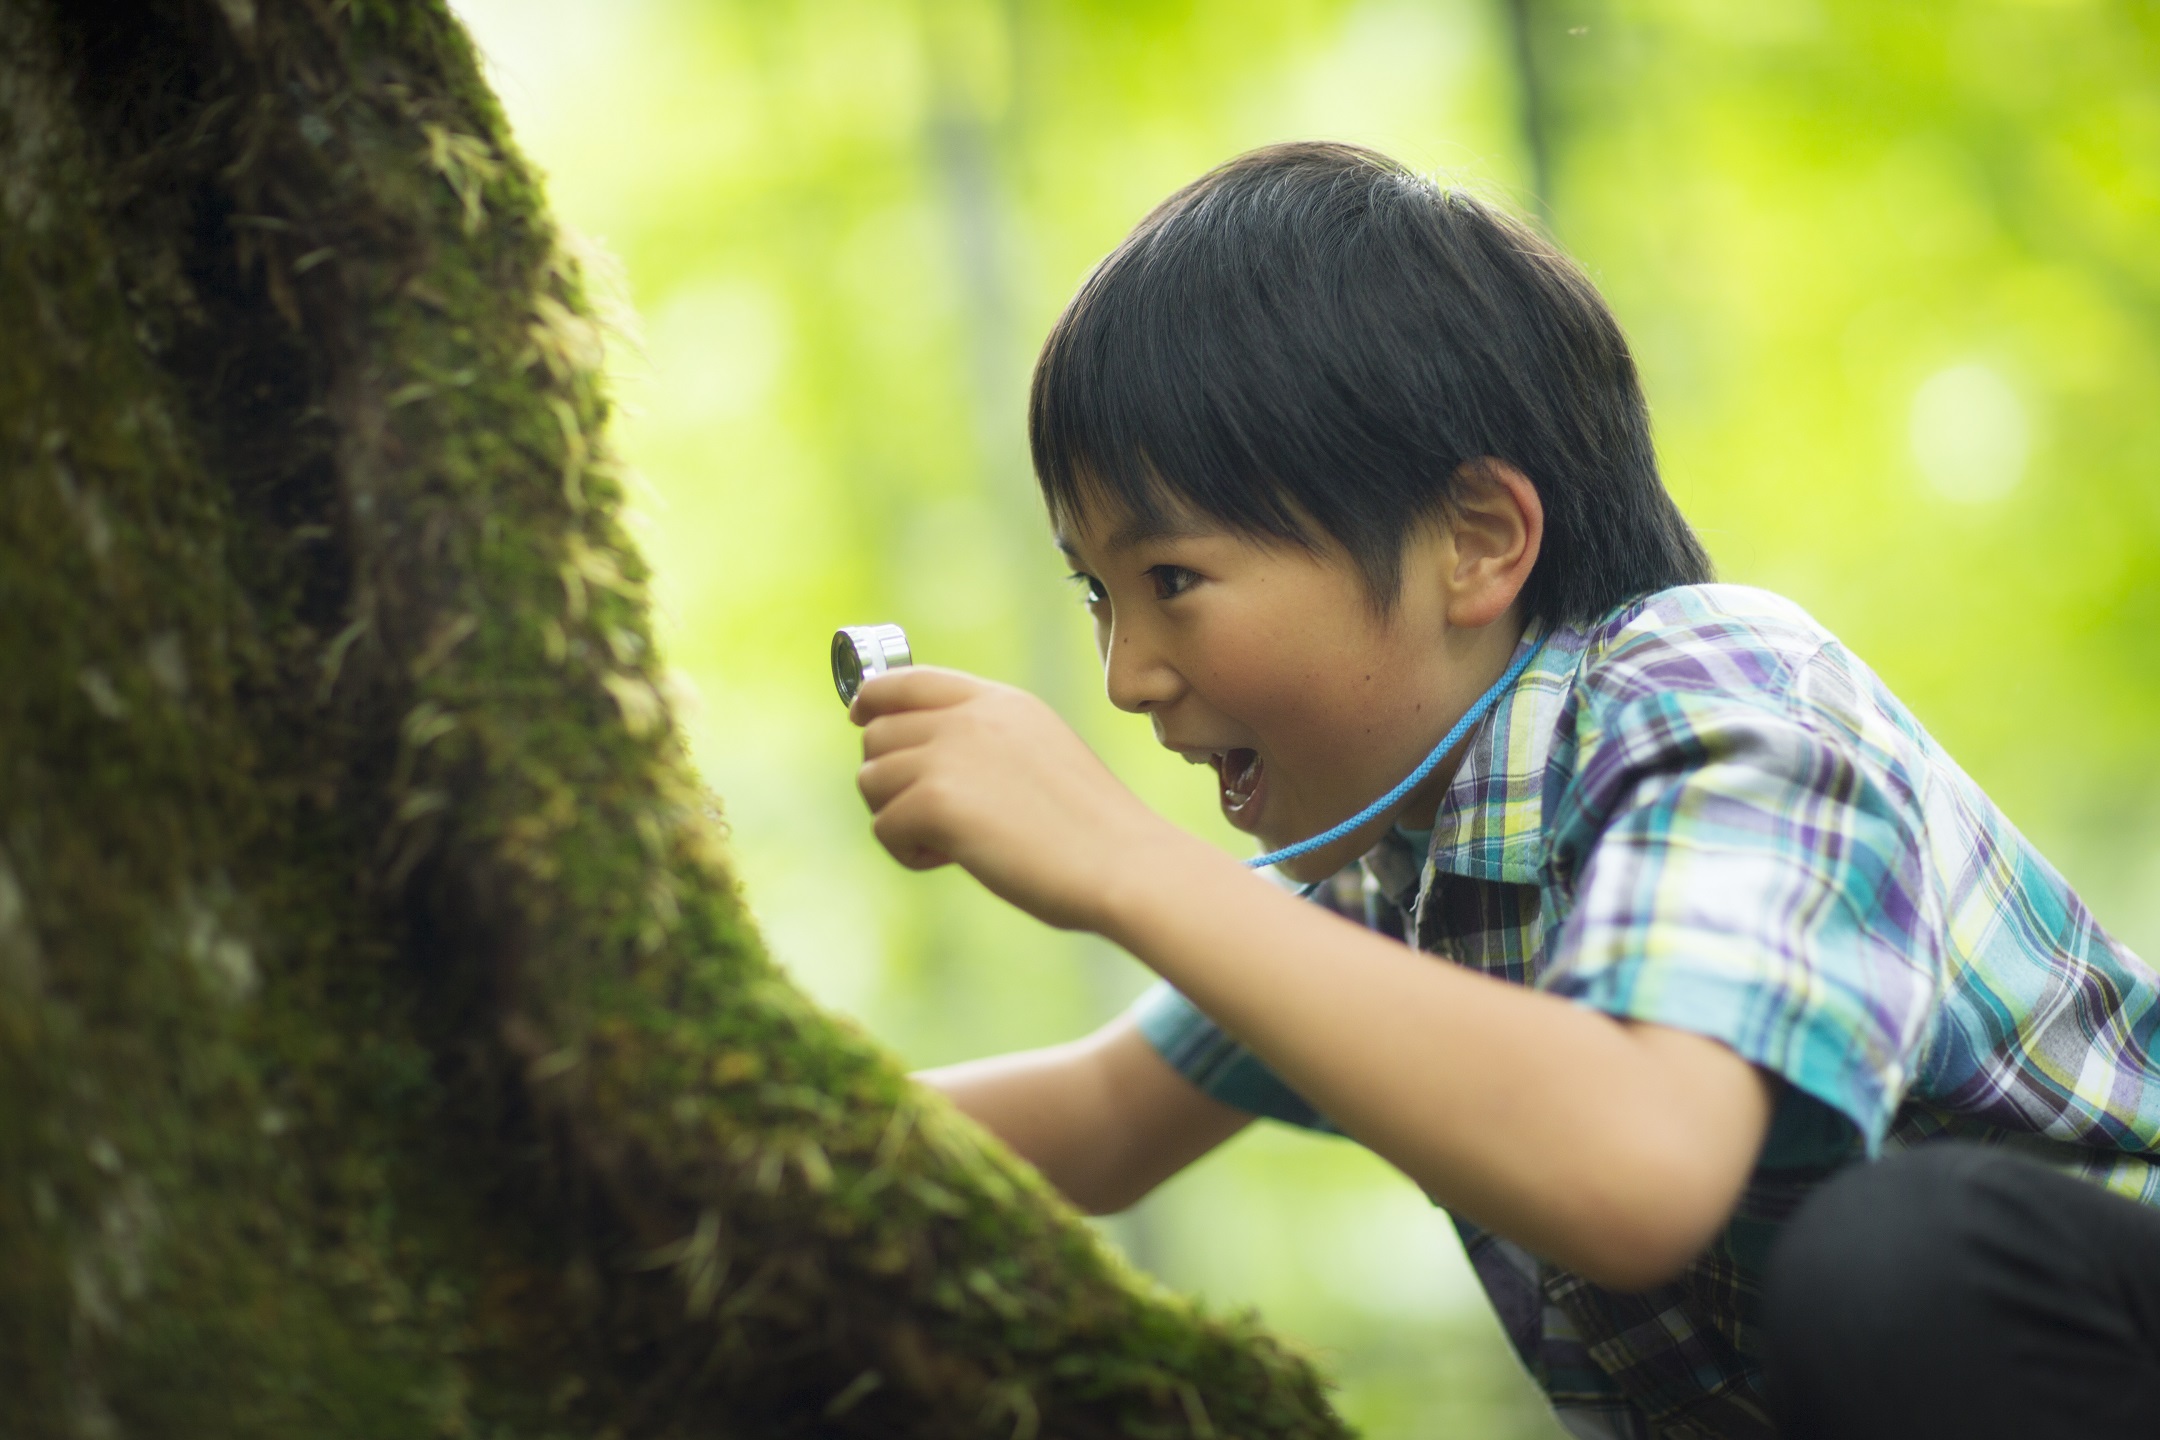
point(1307, 869)
point(1326, 861)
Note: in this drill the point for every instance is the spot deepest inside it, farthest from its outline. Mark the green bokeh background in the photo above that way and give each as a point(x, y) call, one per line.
point(1892, 270)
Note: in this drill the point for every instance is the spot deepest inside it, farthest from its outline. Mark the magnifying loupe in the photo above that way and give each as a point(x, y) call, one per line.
point(862, 651)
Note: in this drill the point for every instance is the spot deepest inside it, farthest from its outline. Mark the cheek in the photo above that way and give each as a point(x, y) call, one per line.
point(1293, 701)
point(1323, 716)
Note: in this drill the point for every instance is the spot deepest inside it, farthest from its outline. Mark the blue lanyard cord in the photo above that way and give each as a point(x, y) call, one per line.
point(1411, 781)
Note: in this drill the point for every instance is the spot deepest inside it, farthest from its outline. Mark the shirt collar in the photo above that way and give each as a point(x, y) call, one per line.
point(1490, 823)
point(1396, 866)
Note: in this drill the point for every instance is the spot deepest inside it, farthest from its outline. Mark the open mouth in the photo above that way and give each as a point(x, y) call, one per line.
point(1240, 771)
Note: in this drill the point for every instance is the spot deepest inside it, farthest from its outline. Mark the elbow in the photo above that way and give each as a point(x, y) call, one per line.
point(1645, 1239)
point(1096, 1197)
point(1646, 1174)
point(1094, 1179)
point(1642, 1213)
point(1629, 1263)
point(1629, 1224)
point(1625, 1232)
point(1620, 1243)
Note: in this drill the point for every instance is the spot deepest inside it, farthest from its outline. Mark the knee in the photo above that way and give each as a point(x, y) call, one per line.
point(1876, 1242)
point(1841, 1240)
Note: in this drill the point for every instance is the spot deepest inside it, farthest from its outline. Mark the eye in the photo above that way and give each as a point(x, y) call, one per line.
point(1171, 581)
point(1091, 590)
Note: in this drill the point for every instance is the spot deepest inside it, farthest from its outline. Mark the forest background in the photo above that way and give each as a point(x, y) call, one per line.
point(1890, 271)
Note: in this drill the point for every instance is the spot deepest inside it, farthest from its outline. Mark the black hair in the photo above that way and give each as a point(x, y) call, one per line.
point(1310, 342)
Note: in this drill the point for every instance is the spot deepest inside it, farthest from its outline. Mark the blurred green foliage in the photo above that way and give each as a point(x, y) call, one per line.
point(1890, 269)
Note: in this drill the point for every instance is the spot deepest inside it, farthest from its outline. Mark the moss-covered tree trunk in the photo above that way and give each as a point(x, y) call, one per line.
point(383, 1048)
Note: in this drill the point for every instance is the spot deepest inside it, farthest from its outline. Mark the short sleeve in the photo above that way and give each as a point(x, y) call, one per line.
point(1740, 870)
point(1201, 1051)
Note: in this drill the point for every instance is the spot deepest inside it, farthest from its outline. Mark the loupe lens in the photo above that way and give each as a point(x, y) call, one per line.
point(862, 651)
point(846, 668)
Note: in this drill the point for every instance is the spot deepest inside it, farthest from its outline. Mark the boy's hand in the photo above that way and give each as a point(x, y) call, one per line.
point(958, 769)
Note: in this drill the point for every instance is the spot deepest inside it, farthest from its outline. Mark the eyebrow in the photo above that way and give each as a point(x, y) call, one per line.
point(1137, 532)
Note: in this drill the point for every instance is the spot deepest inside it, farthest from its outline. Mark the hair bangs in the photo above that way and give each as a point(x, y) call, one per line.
point(1128, 418)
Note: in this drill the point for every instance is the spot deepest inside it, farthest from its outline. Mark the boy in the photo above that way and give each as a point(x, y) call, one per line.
point(1696, 919)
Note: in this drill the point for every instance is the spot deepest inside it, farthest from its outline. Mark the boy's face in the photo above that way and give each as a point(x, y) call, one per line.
point(1267, 663)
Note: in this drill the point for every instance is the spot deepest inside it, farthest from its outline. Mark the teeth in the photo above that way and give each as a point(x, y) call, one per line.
point(1238, 787)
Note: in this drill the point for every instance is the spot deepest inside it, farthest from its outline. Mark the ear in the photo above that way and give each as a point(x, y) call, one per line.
point(1495, 528)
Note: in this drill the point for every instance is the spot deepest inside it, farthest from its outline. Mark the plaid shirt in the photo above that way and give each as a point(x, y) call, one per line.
point(1704, 812)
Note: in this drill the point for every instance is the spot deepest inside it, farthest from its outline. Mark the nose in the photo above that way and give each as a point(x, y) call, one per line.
point(1136, 674)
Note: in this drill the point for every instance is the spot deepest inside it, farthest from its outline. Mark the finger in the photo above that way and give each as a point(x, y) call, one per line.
point(882, 780)
point(902, 731)
point(905, 830)
point(917, 687)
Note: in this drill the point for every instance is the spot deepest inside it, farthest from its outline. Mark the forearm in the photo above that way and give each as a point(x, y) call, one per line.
point(1046, 1106)
point(1103, 1118)
point(1590, 1141)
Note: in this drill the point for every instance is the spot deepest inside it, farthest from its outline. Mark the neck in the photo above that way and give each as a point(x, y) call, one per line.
point(1448, 750)
point(1490, 652)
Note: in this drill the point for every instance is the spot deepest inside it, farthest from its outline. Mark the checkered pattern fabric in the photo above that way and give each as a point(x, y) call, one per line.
point(1704, 812)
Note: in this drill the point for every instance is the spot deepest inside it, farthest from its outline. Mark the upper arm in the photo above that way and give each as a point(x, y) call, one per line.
point(1160, 1122)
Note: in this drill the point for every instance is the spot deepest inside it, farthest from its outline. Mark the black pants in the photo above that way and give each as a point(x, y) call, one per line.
point(1962, 1292)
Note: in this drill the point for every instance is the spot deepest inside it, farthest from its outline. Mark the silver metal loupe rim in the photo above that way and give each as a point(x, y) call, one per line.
point(860, 652)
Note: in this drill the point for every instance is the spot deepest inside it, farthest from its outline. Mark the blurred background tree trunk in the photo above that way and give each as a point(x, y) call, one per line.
point(384, 1049)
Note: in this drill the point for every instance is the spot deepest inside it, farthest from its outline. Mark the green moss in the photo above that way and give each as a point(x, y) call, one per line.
point(384, 1048)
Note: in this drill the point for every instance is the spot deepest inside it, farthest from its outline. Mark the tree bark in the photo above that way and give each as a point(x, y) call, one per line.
point(384, 1049)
